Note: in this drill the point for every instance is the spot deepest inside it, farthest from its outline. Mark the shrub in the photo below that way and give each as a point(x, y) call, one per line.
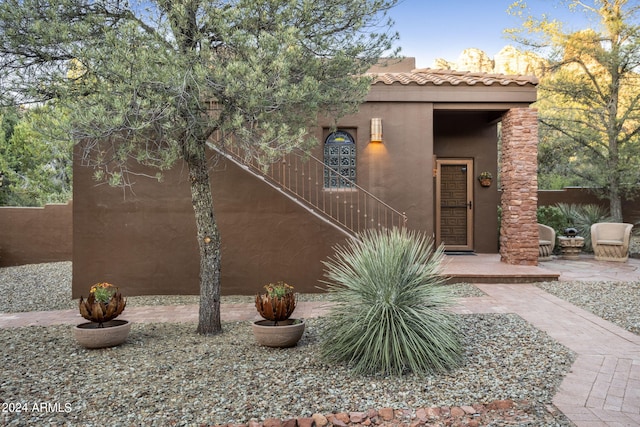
point(554, 217)
point(582, 217)
point(389, 314)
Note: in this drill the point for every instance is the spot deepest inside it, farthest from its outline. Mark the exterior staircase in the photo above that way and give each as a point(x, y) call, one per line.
point(301, 177)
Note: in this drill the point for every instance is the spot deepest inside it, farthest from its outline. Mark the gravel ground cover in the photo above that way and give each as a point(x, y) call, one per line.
point(166, 374)
point(617, 302)
point(42, 287)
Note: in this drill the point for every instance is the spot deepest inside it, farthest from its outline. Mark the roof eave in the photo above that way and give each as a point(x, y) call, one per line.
point(448, 94)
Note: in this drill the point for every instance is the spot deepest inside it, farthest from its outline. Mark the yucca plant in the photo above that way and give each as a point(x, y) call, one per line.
point(389, 314)
point(104, 303)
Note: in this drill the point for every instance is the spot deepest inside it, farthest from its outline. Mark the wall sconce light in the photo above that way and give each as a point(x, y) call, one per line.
point(376, 129)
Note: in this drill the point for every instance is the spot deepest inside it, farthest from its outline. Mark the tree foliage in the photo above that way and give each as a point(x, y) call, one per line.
point(156, 81)
point(36, 167)
point(590, 98)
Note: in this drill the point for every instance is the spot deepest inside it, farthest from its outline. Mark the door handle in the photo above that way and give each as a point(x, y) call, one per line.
point(469, 204)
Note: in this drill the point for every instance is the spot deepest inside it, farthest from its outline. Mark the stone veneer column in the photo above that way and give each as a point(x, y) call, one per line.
point(519, 229)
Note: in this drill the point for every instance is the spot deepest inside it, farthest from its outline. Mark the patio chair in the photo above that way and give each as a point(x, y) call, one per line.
point(610, 241)
point(546, 242)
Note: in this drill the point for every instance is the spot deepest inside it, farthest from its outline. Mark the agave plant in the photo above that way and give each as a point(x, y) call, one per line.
point(389, 314)
point(104, 303)
point(277, 303)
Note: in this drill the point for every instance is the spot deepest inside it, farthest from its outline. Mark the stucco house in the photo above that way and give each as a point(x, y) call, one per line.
point(411, 156)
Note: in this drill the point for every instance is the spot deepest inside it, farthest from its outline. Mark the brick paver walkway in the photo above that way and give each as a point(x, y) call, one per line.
point(602, 388)
point(152, 314)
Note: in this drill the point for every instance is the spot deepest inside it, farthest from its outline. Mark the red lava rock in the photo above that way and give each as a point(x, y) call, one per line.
point(386, 414)
point(372, 413)
point(320, 420)
point(291, 422)
point(305, 422)
point(469, 410)
point(272, 422)
point(457, 412)
point(499, 412)
point(342, 416)
point(434, 413)
point(500, 405)
point(337, 419)
point(357, 417)
point(421, 414)
point(338, 422)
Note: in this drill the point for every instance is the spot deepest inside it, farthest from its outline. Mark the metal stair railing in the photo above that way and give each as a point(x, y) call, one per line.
point(302, 176)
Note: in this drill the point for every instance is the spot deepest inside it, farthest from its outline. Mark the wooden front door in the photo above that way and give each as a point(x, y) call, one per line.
point(454, 204)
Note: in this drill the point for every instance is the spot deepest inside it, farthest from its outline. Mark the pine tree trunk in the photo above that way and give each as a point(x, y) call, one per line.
point(208, 242)
point(615, 207)
point(615, 197)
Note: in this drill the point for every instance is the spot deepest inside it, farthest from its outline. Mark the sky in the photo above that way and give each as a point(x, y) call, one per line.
point(431, 29)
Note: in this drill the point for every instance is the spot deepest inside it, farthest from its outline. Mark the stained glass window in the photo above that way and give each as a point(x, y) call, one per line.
point(340, 156)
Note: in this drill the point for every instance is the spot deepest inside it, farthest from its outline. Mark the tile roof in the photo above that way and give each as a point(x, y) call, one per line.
point(428, 76)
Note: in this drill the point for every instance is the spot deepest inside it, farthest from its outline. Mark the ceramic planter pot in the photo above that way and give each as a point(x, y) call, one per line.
point(287, 333)
point(113, 332)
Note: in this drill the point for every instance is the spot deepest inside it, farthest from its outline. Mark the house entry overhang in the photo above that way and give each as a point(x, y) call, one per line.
point(509, 97)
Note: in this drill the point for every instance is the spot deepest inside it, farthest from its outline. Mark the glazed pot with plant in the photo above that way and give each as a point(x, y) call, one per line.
point(276, 305)
point(102, 306)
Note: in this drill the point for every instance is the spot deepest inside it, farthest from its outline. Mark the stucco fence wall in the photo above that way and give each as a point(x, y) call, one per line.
point(574, 195)
point(37, 235)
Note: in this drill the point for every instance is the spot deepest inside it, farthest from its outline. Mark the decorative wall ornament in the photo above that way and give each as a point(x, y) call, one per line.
point(485, 179)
